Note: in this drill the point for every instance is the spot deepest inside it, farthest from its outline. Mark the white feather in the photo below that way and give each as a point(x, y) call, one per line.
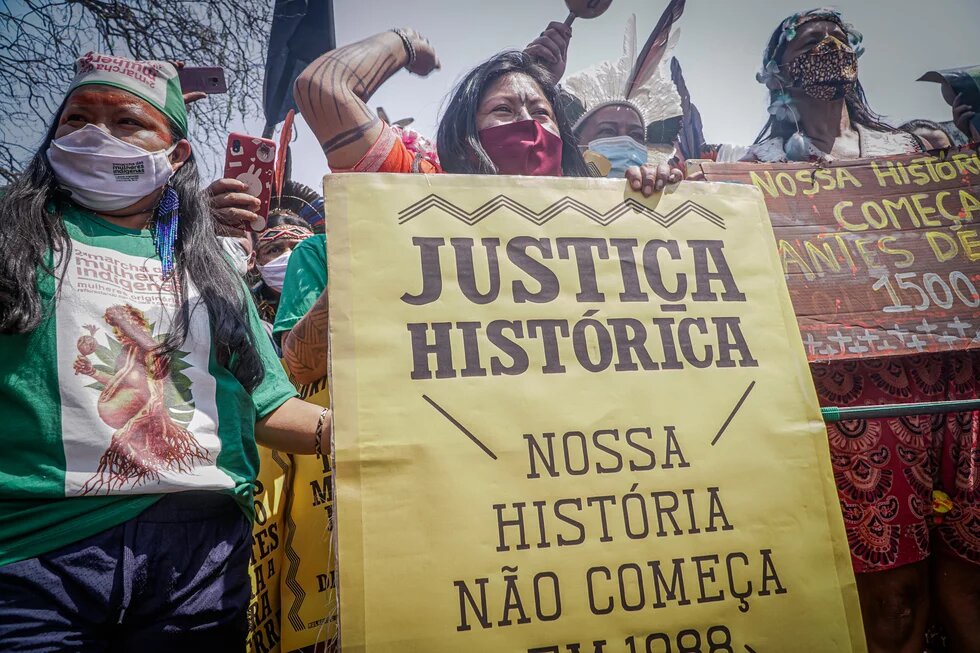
point(657, 99)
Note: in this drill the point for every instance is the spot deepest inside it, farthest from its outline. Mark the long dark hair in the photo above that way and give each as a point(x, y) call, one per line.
point(458, 141)
point(31, 228)
point(856, 101)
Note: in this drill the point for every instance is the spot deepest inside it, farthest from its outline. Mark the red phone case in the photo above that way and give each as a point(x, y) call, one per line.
point(252, 160)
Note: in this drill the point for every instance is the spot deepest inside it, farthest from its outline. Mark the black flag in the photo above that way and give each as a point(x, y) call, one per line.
point(302, 30)
point(691, 135)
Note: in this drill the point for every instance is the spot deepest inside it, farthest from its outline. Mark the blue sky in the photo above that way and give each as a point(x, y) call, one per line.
point(720, 48)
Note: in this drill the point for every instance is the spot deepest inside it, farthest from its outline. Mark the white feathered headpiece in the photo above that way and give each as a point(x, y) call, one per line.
point(641, 80)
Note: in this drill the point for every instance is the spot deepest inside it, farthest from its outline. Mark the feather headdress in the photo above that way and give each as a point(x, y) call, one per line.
point(300, 200)
point(638, 79)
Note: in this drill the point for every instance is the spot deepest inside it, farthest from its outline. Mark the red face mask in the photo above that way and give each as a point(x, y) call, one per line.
point(523, 148)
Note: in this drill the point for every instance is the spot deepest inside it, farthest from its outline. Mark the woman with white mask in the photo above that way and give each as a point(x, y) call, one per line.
point(241, 251)
point(272, 251)
point(618, 106)
point(136, 381)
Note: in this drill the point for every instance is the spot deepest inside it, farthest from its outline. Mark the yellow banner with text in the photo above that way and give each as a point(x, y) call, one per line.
point(571, 419)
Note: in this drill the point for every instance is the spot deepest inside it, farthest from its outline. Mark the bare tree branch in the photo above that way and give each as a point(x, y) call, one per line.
point(40, 40)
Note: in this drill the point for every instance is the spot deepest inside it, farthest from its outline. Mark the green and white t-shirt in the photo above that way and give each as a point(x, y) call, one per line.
point(94, 426)
point(306, 279)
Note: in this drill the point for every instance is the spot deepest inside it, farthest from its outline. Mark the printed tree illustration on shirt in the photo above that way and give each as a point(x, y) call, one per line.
point(144, 396)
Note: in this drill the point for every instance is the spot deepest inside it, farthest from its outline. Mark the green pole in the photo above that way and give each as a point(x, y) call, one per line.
point(837, 413)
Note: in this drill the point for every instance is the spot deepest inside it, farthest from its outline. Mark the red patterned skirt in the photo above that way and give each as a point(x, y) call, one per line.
point(887, 469)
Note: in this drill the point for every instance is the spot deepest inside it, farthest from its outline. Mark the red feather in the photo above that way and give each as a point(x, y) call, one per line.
point(284, 138)
point(654, 49)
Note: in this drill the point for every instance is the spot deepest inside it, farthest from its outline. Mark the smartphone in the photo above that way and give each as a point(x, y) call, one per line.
point(210, 80)
point(252, 160)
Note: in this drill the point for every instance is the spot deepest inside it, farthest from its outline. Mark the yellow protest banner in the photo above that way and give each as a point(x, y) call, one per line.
point(294, 595)
point(309, 588)
point(270, 502)
point(309, 596)
point(571, 419)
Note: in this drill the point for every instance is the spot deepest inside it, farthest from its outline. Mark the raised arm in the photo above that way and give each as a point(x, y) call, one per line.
point(333, 91)
point(550, 49)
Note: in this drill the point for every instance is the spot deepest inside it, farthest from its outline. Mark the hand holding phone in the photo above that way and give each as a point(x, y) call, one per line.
point(210, 80)
point(961, 90)
point(251, 160)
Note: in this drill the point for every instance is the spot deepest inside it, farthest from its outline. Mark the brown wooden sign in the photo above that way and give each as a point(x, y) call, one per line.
point(882, 256)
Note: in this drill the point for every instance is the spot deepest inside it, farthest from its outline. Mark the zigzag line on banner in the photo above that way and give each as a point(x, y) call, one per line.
point(630, 205)
point(292, 570)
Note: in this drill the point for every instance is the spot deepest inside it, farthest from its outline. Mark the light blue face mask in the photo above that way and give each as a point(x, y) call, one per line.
point(622, 152)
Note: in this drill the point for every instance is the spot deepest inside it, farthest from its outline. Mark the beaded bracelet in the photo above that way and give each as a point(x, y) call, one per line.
point(318, 434)
point(407, 42)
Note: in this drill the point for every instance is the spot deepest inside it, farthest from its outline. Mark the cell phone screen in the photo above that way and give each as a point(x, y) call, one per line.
point(210, 80)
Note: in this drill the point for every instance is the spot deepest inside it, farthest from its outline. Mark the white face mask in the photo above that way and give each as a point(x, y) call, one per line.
point(103, 173)
point(239, 257)
point(274, 272)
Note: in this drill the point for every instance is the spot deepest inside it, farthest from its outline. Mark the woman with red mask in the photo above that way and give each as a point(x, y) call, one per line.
point(503, 118)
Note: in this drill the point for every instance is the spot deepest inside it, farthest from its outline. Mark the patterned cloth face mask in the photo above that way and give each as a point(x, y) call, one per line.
point(827, 71)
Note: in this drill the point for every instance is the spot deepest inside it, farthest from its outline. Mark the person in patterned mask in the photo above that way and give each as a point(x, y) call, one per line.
point(818, 110)
point(909, 487)
point(827, 71)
